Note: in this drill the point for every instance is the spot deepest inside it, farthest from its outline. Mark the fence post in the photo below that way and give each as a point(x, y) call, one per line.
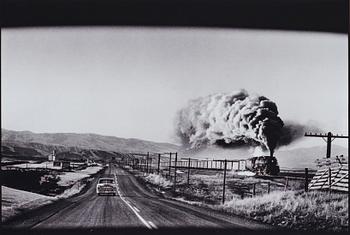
point(254, 189)
point(330, 179)
point(286, 184)
point(147, 162)
point(175, 172)
point(268, 187)
point(188, 171)
point(306, 179)
point(170, 166)
point(158, 163)
point(223, 191)
point(151, 166)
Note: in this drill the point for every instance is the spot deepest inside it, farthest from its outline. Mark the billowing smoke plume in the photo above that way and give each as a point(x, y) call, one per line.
point(230, 120)
point(293, 131)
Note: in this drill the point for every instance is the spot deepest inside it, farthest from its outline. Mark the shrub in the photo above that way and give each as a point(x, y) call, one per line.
point(158, 180)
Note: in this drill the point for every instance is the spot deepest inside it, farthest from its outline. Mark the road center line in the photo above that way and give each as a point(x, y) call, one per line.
point(131, 207)
point(136, 209)
point(152, 224)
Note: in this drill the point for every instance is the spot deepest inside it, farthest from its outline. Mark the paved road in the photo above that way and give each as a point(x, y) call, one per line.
point(133, 207)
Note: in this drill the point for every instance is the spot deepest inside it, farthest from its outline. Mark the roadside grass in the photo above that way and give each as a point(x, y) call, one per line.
point(158, 180)
point(295, 210)
point(311, 211)
point(16, 202)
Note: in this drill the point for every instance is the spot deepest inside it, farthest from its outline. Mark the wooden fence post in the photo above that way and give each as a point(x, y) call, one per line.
point(188, 171)
point(170, 166)
point(175, 172)
point(268, 187)
point(223, 191)
point(286, 184)
point(254, 189)
point(329, 179)
point(158, 163)
point(306, 179)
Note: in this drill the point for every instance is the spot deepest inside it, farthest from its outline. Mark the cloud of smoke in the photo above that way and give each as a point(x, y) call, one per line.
point(230, 120)
point(293, 131)
point(236, 119)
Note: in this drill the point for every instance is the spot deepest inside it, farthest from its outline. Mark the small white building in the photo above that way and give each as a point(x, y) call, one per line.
point(52, 157)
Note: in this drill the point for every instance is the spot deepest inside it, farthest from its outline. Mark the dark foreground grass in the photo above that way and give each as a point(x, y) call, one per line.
point(308, 211)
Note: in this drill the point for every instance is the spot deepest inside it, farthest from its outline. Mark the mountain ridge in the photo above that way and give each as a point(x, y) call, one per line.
point(87, 141)
point(41, 144)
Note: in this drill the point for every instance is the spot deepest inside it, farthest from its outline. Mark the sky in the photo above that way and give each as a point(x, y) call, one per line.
point(130, 82)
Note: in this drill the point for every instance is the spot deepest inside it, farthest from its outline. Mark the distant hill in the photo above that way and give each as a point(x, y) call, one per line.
point(85, 141)
point(305, 157)
point(20, 151)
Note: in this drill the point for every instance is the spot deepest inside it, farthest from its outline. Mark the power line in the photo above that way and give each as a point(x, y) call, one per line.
point(328, 138)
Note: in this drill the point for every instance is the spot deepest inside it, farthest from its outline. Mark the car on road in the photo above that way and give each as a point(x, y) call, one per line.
point(106, 186)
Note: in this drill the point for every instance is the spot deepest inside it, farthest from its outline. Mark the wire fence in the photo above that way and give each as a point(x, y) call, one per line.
point(213, 179)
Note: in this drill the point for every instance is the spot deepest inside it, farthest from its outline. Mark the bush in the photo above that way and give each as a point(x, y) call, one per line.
point(158, 180)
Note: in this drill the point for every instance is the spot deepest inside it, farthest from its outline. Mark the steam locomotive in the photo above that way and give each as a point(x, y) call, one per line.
point(263, 165)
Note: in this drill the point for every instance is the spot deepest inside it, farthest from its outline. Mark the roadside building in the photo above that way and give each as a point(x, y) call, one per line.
point(52, 156)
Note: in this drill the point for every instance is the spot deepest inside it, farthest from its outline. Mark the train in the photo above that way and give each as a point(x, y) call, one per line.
point(263, 165)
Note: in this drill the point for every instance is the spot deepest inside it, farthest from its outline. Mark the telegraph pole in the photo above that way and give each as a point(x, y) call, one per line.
point(328, 138)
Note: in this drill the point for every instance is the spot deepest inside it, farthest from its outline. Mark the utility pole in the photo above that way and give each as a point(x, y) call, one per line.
point(330, 137)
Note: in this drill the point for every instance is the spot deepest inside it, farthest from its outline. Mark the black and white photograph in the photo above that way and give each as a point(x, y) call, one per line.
point(174, 116)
